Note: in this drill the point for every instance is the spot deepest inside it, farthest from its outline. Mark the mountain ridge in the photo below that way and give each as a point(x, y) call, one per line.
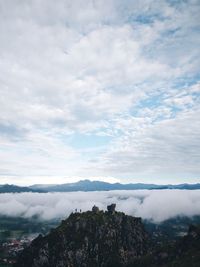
point(87, 186)
point(10, 188)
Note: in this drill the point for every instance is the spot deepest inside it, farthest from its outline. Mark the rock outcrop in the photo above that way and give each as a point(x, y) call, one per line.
point(89, 239)
point(111, 208)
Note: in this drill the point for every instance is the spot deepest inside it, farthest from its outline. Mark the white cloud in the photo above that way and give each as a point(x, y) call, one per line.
point(92, 68)
point(142, 203)
point(146, 149)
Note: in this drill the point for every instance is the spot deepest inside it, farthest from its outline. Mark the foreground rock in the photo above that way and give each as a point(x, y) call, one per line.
point(90, 239)
point(185, 252)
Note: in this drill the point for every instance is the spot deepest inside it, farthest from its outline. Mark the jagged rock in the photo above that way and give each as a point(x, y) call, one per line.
point(111, 208)
point(89, 239)
point(95, 209)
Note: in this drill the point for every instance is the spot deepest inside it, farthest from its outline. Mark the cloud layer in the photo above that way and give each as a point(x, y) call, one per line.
point(155, 205)
point(99, 88)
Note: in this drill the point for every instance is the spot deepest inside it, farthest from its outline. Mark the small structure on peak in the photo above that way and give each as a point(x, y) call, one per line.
point(111, 208)
point(95, 209)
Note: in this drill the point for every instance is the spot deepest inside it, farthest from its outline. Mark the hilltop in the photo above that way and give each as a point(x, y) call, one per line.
point(109, 239)
point(88, 239)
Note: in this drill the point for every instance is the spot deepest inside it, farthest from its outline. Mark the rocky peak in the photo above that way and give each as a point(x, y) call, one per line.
point(111, 208)
point(95, 209)
point(88, 239)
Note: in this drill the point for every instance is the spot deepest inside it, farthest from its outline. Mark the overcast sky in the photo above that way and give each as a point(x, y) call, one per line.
point(102, 89)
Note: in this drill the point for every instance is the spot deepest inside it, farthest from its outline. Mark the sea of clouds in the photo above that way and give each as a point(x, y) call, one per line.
point(155, 205)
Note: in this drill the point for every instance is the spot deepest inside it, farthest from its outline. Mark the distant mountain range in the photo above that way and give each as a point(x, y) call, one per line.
point(87, 185)
point(9, 188)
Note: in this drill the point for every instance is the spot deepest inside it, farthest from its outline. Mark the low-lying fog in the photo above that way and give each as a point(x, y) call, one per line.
point(156, 205)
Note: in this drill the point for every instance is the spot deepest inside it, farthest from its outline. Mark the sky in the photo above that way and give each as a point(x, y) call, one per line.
point(139, 203)
point(99, 89)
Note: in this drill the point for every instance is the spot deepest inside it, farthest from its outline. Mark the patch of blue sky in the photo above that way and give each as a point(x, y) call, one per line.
point(186, 81)
point(145, 18)
point(175, 110)
point(177, 2)
point(170, 32)
point(82, 141)
point(153, 101)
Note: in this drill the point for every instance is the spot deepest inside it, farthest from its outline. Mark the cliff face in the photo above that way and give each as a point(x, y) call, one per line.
point(90, 239)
